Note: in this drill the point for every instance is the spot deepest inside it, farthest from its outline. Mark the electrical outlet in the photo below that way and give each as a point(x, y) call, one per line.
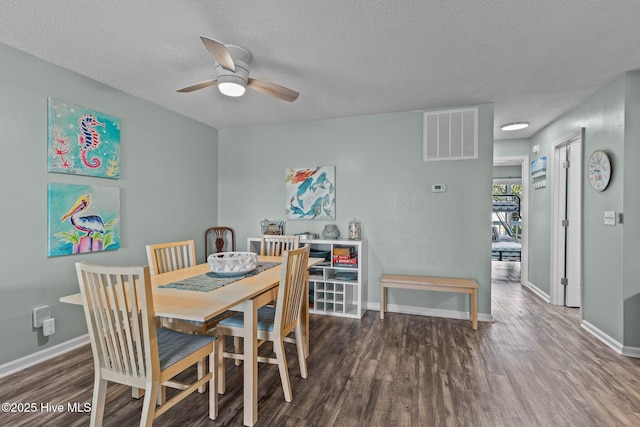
point(49, 327)
point(41, 314)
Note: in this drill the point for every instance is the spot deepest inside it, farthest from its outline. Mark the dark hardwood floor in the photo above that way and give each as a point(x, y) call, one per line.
point(534, 366)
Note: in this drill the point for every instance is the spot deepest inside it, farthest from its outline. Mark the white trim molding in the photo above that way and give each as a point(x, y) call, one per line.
point(42, 355)
point(631, 351)
point(623, 350)
point(536, 290)
point(602, 337)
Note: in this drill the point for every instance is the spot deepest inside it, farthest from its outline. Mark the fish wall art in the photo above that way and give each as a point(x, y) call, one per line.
point(82, 219)
point(311, 193)
point(82, 141)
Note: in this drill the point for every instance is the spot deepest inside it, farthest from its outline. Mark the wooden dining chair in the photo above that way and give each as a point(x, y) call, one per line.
point(225, 240)
point(275, 323)
point(271, 245)
point(275, 245)
point(165, 257)
point(128, 348)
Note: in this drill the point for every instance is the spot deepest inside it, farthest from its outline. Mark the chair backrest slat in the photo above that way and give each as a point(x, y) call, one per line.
point(129, 348)
point(111, 324)
point(292, 290)
point(274, 245)
point(119, 313)
point(165, 257)
point(95, 303)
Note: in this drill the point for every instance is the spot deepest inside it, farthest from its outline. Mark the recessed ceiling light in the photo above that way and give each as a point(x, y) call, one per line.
point(515, 126)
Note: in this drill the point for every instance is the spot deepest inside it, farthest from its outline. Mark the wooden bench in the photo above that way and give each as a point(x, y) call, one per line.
point(426, 283)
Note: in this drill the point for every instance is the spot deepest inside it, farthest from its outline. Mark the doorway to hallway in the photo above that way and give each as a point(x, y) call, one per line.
point(509, 231)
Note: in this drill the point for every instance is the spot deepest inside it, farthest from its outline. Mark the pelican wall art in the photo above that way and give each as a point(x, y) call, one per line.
point(82, 141)
point(311, 193)
point(83, 218)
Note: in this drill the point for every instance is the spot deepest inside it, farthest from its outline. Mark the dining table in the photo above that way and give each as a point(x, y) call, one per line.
point(246, 295)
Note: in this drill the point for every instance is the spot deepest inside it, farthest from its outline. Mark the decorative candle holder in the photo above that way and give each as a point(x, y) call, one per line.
point(355, 230)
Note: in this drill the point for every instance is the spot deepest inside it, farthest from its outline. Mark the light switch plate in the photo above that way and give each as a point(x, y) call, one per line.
point(541, 183)
point(610, 218)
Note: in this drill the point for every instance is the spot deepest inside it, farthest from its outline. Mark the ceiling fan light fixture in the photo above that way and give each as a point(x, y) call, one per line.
point(232, 84)
point(231, 89)
point(232, 73)
point(515, 126)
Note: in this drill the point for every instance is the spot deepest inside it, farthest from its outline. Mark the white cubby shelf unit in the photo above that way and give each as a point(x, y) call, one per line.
point(337, 286)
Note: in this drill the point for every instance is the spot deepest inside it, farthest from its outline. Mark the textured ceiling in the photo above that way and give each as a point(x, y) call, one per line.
point(533, 59)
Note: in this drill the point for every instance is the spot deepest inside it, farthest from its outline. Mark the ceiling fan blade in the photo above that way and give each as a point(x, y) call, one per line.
point(219, 52)
point(272, 89)
point(197, 86)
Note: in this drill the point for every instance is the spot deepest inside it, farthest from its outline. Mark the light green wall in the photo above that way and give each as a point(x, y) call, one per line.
point(631, 196)
point(176, 180)
point(511, 147)
point(602, 115)
point(380, 179)
point(168, 191)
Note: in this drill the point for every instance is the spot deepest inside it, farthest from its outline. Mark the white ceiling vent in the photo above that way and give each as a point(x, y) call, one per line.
point(450, 135)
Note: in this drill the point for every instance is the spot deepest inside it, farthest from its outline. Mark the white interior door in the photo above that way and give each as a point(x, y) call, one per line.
point(566, 238)
point(573, 242)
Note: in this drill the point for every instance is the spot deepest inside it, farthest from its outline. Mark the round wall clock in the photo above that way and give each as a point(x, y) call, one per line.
point(599, 170)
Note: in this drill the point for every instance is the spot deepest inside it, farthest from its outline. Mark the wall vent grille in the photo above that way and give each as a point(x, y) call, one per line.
point(450, 134)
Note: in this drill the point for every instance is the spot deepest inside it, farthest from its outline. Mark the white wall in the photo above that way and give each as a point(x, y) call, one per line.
point(168, 191)
point(380, 179)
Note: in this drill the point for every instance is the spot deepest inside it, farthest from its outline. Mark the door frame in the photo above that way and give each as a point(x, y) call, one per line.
point(556, 290)
point(524, 209)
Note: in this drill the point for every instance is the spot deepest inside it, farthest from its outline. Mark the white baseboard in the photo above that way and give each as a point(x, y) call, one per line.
point(435, 312)
point(623, 350)
point(630, 351)
point(545, 296)
point(602, 337)
point(42, 355)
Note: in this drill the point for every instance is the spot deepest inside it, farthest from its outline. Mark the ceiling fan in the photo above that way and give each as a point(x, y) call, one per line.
point(232, 70)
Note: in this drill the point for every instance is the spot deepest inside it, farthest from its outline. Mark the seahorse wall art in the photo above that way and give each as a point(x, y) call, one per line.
point(82, 141)
point(311, 193)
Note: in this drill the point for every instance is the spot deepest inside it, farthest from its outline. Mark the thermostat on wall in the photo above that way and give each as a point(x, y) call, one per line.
point(438, 188)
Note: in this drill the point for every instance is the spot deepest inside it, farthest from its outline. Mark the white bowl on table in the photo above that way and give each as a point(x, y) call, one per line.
point(232, 263)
